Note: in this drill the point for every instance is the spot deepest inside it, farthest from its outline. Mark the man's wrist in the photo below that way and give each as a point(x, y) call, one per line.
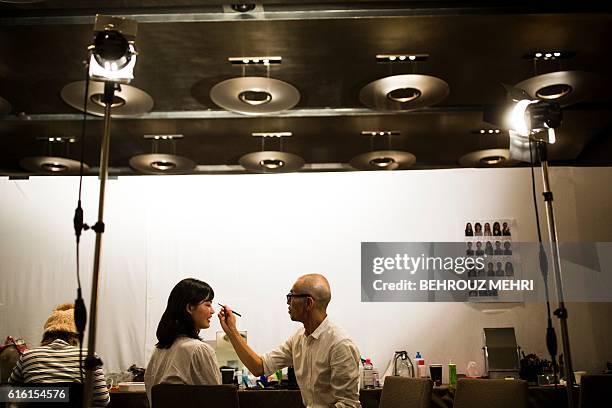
point(233, 332)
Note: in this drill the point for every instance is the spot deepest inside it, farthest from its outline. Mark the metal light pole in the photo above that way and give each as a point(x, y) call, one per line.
point(91, 362)
point(561, 311)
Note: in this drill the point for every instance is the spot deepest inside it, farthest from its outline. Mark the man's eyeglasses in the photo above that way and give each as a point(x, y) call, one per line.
point(296, 295)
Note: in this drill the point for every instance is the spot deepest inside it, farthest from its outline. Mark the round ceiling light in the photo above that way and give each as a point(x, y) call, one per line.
point(403, 92)
point(128, 101)
point(383, 160)
point(270, 161)
point(255, 95)
point(255, 98)
point(564, 87)
point(51, 165)
point(156, 163)
point(487, 158)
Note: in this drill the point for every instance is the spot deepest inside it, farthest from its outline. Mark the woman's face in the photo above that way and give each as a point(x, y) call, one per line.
point(201, 314)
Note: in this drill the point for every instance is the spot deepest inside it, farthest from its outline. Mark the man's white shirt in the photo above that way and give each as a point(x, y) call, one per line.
point(326, 364)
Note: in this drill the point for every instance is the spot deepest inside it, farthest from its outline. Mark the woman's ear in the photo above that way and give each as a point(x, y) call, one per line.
point(189, 308)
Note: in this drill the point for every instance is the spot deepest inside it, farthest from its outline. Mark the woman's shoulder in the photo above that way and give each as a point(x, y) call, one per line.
point(193, 345)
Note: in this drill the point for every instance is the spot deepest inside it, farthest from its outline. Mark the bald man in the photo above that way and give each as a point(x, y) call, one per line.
point(325, 360)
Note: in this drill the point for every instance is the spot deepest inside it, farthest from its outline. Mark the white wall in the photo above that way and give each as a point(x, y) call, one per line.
point(250, 236)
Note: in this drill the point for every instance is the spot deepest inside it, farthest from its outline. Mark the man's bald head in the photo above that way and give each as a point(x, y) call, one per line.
point(317, 286)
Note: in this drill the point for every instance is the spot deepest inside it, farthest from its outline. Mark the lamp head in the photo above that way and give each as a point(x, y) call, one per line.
point(113, 55)
point(530, 117)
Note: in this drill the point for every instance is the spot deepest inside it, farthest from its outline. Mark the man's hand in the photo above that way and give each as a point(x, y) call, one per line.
point(250, 359)
point(227, 320)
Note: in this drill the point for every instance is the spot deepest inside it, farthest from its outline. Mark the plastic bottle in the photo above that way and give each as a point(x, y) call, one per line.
point(404, 367)
point(417, 358)
point(239, 379)
point(452, 374)
point(421, 370)
point(375, 377)
point(368, 371)
point(361, 375)
point(245, 378)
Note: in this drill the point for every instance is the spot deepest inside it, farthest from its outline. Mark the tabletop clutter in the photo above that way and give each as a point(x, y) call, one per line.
point(402, 365)
point(533, 369)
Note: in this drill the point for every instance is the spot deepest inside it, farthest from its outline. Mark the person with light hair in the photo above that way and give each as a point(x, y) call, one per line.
point(57, 358)
point(325, 359)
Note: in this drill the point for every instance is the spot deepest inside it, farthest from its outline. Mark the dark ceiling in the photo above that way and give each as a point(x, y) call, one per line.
point(328, 53)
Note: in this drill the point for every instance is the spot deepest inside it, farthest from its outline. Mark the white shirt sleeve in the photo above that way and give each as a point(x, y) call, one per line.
point(280, 357)
point(344, 381)
point(204, 369)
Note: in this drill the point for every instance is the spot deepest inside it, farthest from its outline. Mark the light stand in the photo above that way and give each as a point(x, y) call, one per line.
point(528, 118)
point(92, 361)
point(561, 311)
point(112, 61)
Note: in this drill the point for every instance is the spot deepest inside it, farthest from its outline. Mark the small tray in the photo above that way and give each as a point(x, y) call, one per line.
point(132, 386)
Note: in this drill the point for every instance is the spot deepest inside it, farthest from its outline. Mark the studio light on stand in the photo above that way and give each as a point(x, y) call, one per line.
point(112, 60)
point(534, 121)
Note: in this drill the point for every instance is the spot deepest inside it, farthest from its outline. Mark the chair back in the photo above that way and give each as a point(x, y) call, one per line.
point(594, 390)
point(404, 392)
point(9, 356)
point(490, 394)
point(194, 396)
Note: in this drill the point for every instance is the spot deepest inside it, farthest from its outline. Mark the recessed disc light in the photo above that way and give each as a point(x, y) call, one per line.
point(255, 98)
point(403, 92)
point(156, 163)
point(52, 165)
point(128, 100)
point(487, 158)
point(383, 160)
point(270, 161)
point(553, 92)
point(254, 95)
point(565, 87)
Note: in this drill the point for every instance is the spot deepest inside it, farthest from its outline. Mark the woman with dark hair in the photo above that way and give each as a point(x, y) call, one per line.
point(496, 229)
point(469, 232)
point(180, 356)
point(478, 229)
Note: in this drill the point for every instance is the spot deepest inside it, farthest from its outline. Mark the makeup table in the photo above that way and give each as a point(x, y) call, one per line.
point(441, 397)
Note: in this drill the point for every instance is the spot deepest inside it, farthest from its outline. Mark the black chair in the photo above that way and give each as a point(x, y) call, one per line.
point(403, 392)
point(9, 356)
point(194, 396)
point(490, 394)
point(75, 395)
point(595, 391)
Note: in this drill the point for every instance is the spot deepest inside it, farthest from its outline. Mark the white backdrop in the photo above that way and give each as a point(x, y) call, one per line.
point(250, 236)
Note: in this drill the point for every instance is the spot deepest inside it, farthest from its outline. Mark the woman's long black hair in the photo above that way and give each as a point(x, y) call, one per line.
point(176, 321)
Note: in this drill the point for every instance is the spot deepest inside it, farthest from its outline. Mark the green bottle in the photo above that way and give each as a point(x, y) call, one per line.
point(452, 374)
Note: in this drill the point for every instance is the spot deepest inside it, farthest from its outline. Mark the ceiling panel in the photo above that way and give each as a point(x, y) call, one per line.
point(328, 59)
